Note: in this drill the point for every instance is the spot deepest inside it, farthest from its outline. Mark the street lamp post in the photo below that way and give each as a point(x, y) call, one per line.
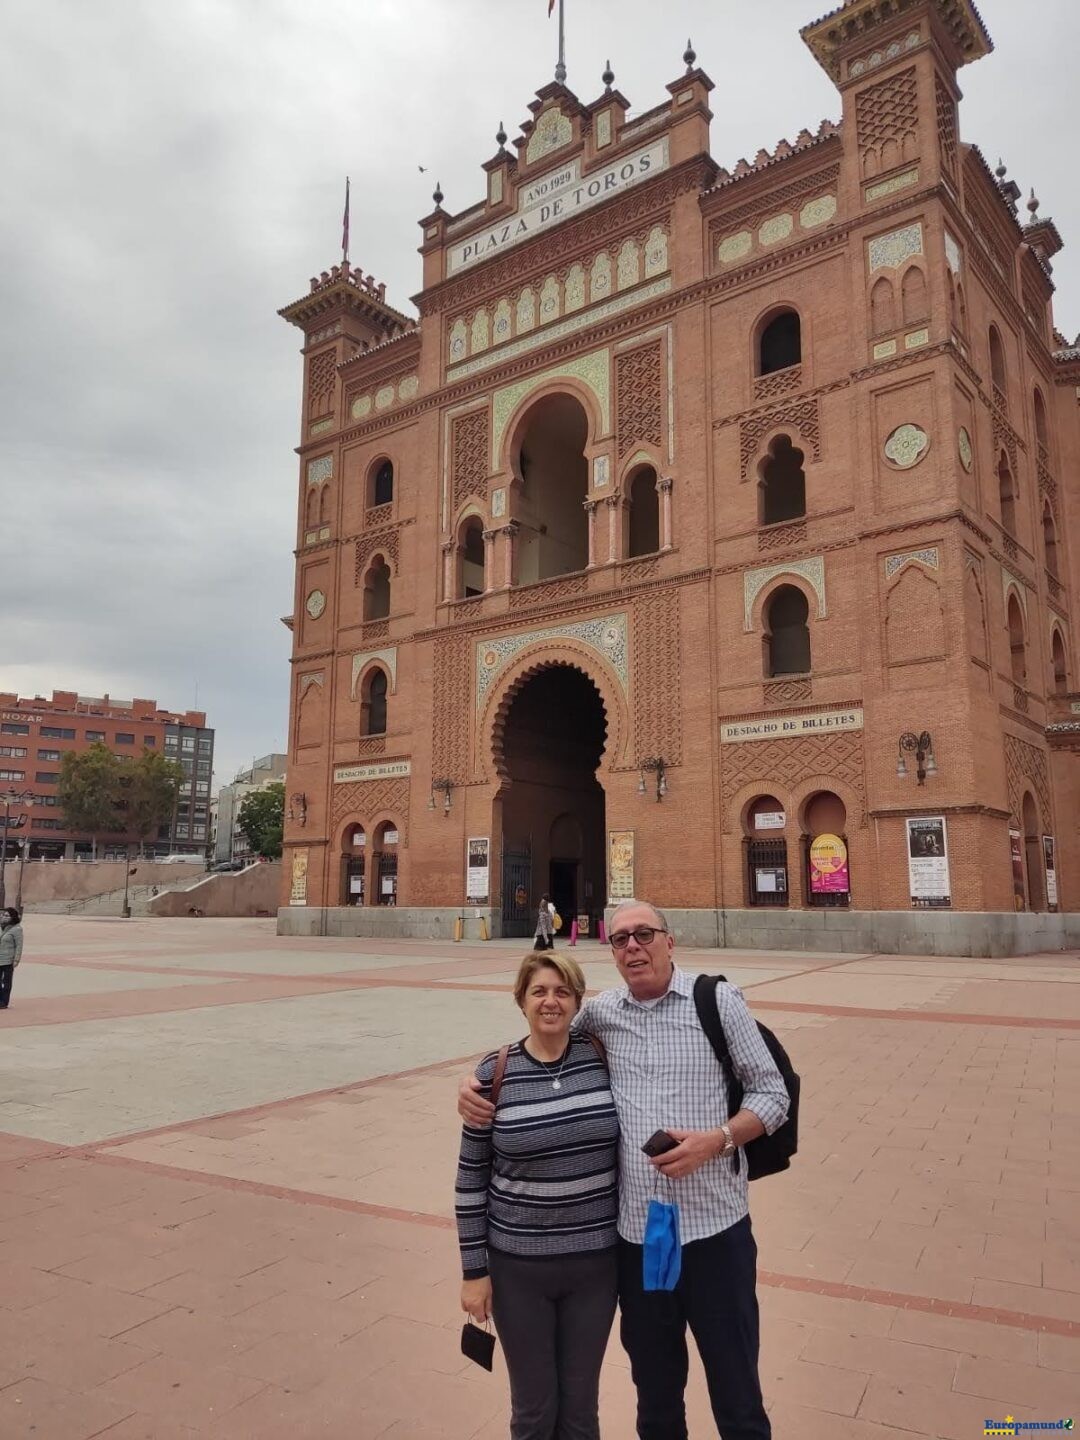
point(9, 798)
point(24, 845)
point(126, 911)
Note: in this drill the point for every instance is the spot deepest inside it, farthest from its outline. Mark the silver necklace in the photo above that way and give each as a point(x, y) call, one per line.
point(556, 1084)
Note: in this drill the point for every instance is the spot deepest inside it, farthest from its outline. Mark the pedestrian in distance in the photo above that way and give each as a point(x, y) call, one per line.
point(536, 1203)
point(681, 1150)
point(544, 938)
point(11, 943)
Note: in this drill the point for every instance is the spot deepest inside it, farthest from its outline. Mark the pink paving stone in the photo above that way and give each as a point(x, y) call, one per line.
point(191, 1394)
point(36, 1408)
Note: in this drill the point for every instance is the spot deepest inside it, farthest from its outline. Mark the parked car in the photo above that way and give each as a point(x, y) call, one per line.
point(180, 860)
point(224, 865)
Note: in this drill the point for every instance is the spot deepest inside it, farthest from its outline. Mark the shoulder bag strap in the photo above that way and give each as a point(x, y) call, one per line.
point(500, 1071)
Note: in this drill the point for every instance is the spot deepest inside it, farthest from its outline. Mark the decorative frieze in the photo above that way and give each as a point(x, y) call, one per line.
point(895, 563)
point(394, 392)
point(812, 570)
point(881, 188)
point(605, 635)
point(773, 229)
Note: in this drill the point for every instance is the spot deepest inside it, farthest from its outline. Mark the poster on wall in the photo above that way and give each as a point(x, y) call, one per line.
point(1016, 852)
point(620, 866)
point(477, 869)
point(769, 820)
point(298, 892)
point(1050, 862)
point(928, 863)
point(828, 865)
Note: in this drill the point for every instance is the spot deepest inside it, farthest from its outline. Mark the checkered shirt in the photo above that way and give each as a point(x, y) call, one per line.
point(664, 1073)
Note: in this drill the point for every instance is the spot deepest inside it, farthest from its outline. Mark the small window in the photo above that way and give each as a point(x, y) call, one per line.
point(13, 752)
point(644, 513)
point(47, 754)
point(782, 492)
point(1007, 495)
point(12, 774)
point(95, 735)
point(787, 638)
point(125, 739)
point(1017, 642)
point(913, 296)
point(997, 363)
point(11, 729)
point(377, 590)
point(780, 346)
point(187, 742)
point(382, 483)
point(882, 307)
point(150, 741)
point(1041, 433)
point(54, 732)
point(46, 777)
point(1061, 677)
point(375, 704)
point(470, 557)
point(1050, 540)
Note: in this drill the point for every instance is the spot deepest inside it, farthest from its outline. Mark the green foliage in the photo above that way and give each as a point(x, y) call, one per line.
point(150, 787)
point(89, 791)
point(262, 820)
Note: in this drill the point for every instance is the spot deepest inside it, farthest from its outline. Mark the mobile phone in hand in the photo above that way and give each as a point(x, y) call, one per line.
point(659, 1143)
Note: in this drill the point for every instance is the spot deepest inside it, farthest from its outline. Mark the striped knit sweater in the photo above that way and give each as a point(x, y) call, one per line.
point(543, 1179)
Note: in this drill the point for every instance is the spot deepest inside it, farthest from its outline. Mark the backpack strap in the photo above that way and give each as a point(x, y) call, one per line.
point(709, 1015)
point(500, 1071)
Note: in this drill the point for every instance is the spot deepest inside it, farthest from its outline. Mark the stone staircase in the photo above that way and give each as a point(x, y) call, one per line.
point(112, 901)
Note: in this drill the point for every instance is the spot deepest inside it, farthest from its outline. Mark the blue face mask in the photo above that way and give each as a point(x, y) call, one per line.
point(662, 1262)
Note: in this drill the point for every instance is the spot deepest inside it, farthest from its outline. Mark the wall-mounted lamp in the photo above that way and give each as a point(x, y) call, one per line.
point(446, 786)
point(298, 808)
point(922, 747)
point(654, 765)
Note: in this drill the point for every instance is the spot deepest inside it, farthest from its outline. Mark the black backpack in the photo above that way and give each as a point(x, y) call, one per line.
point(768, 1154)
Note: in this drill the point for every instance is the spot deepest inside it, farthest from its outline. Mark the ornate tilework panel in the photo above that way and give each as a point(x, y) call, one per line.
point(812, 570)
point(894, 183)
point(946, 125)
point(592, 370)
point(927, 557)
point(800, 416)
point(906, 446)
point(387, 657)
point(775, 229)
point(450, 709)
point(320, 469)
point(817, 212)
point(552, 131)
point(657, 687)
point(469, 447)
point(640, 403)
point(889, 251)
point(606, 635)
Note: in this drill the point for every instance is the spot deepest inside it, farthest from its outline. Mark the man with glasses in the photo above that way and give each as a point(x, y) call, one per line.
point(664, 1076)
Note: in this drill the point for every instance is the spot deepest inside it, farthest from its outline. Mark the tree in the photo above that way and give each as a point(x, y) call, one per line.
point(149, 789)
point(262, 820)
point(89, 792)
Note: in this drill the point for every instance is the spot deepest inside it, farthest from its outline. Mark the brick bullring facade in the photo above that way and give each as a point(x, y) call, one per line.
point(706, 538)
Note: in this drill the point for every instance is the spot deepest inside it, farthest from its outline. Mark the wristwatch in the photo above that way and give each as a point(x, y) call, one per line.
point(729, 1142)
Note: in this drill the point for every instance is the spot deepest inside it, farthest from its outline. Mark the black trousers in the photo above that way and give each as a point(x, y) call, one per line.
point(553, 1317)
point(717, 1297)
point(7, 975)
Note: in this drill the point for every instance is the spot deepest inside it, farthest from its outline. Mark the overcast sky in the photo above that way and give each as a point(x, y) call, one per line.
point(172, 173)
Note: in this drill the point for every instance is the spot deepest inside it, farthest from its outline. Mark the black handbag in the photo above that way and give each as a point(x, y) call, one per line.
point(478, 1345)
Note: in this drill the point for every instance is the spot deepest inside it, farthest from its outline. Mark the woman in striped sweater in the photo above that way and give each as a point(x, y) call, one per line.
point(537, 1202)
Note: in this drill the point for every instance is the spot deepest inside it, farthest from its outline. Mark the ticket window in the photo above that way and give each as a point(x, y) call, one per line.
point(355, 867)
point(765, 846)
point(386, 867)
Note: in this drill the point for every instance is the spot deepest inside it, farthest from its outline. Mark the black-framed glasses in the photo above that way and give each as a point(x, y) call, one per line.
point(644, 935)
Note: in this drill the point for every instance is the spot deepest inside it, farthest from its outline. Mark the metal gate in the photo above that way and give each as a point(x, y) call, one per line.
point(386, 877)
point(517, 916)
point(766, 872)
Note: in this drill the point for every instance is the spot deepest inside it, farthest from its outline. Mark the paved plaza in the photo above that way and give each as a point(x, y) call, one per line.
point(227, 1161)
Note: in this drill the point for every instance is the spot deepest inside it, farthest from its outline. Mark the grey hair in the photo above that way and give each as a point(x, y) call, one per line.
point(629, 904)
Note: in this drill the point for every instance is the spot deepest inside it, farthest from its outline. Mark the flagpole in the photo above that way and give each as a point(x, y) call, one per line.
point(345, 227)
point(560, 68)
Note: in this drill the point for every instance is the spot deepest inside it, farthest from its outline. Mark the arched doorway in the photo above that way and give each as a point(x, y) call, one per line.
point(1033, 856)
point(549, 460)
point(353, 866)
point(551, 804)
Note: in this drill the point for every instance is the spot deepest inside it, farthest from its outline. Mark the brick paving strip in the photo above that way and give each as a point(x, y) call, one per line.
point(278, 1270)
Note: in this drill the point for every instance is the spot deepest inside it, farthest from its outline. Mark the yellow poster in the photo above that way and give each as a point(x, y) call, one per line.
point(298, 894)
point(620, 866)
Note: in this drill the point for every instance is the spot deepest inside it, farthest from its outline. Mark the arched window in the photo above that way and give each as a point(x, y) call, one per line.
point(1006, 494)
point(913, 295)
point(548, 455)
point(1041, 434)
point(780, 345)
point(644, 513)
point(311, 511)
point(324, 505)
point(470, 555)
point(377, 590)
point(1050, 540)
point(997, 365)
point(782, 491)
point(373, 704)
point(1060, 664)
point(382, 483)
point(787, 634)
point(882, 307)
point(1017, 642)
